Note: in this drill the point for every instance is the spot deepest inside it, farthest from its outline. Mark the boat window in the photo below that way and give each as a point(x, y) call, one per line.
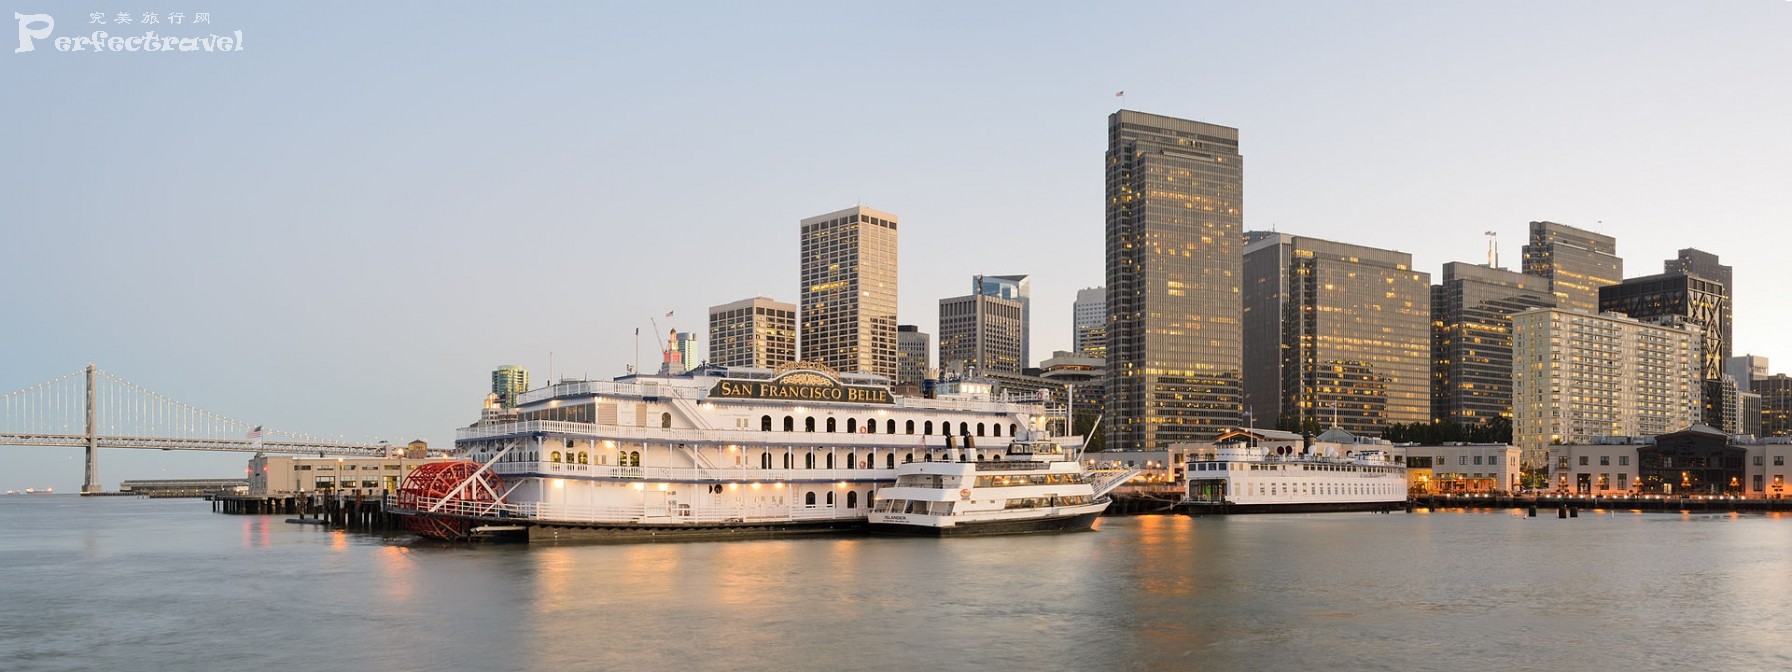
point(852, 499)
point(852, 425)
point(1013, 429)
point(852, 460)
point(830, 425)
point(910, 457)
point(665, 421)
point(634, 458)
point(765, 423)
point(830, 464)
point(910, 427)
point(830, 498)
point(789, 424)
point(765, 461)
point(927, 429)
point(979, 429)
point(890, 426)
point(997, 427)
point(964, 429)
point(584, 458)
point(787, 460)
point(890, 461)
point(808, 424)
point(808, 499)
point(554, 456)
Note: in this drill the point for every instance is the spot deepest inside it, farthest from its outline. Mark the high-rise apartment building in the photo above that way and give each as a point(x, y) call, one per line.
point(1577, 376)
point(1471, 339)
point(1576, 262)
point(913, 354)
point(1015, 288)
point(849, 291)
point(1334, 334)
point(756, 332)
point(1701, 301)
point(1089, 320)
point(1175, 217)
point(508, 381)
point(980, 333)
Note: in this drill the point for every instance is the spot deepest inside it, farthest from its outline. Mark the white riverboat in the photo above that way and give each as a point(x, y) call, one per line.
point(1032, 486)
point(719, 452)
point(1240, 478)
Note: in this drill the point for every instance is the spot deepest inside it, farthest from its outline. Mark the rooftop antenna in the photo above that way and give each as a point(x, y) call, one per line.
point(1493, 248)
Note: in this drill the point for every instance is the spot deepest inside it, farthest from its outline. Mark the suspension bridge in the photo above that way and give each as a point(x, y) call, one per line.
point(94, 409)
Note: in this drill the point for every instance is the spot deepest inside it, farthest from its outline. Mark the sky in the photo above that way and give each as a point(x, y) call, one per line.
point(342, 228)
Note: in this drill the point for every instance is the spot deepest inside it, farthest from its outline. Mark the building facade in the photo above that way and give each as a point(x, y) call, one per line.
point(849, 291)
point(508, 381)
point(1706, 265)
point(914, 354)
point(1469, 468)
point(1175, 214)
point(1698, 460)
point(282, 475)
point(1577, 377)
point(1471, 339)
point(1776, 404)
point(1014, 288)
point(1695, 299)
point(756, 332)
point(1746, 369)
point(1576, 262)
point(1335, 335)
point(980, 333)
point(1089, 320)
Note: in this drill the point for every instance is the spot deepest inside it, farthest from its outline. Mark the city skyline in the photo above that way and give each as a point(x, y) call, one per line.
point(305, 243)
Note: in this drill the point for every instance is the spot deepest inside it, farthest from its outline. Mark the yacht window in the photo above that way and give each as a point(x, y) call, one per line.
point(830, 425)
point(765, 423)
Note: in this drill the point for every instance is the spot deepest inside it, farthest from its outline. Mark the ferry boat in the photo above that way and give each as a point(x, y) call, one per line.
point(1240, 478)
point(45, 491)
point(718, 452)
point(1033, 486)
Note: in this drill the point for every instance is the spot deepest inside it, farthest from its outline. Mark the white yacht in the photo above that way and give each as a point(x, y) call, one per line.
point(714, 453)
point(1240, 478)
point(1033, 486)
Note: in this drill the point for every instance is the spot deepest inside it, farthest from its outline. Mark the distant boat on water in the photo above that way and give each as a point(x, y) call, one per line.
point(35, 491)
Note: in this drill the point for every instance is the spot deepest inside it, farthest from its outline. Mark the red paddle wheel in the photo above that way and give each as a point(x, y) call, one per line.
point(455, 482)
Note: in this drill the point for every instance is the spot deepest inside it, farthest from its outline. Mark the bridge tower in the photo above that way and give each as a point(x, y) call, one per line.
point(92, 485)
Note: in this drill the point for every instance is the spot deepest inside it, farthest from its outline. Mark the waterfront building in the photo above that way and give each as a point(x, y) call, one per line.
point(980, 333)
point(286, 475)
point(756, 332)
point(1335, 335)
point(1606, 468)
point(1468, 468)
point(1471, 339)
point(1174, 220)
point(1014, 288)
point(1089, 320)
point(1748, 405)
point(849, 291)
point(914, 355)
point(1746, 369)
point(1084, 374)
point(508, 381)
point(1577, 376)
point(1575, 262)
point(1697, 460)
point(1776, 404)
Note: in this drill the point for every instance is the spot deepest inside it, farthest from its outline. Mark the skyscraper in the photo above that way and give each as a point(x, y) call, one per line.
point(756, 332)
point(1701, 301)
point(1175, 218)
point(1334, 333)
point(1471, 339)
point(1706, 265)
point(1576, 376)
point(1576, 262)
point(913, 356)
point(981, 333)
point(849, 291)
point(1016, 288)
point(1746, 369)
point(508, 381)
point(1089, 319)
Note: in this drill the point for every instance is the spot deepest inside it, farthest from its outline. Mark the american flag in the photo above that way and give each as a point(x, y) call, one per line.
point(1119, 94)
point(253, 433)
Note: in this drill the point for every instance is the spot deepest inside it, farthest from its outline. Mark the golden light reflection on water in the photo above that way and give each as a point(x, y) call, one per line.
point(397, 571)
point(257, 532)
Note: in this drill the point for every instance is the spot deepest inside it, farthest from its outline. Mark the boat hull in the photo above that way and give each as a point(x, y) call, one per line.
point(470, 528)
point(1228, 508)
point(1078, 522)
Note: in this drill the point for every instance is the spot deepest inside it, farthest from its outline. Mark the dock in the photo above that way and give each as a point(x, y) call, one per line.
point(369, 514)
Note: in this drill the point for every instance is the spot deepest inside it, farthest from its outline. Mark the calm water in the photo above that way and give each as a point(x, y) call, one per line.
point(118, 583)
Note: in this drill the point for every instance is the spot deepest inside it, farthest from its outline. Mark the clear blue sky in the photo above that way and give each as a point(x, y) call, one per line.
point(343, 228)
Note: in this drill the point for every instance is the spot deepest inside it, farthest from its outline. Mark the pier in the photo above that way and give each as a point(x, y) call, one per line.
point(367, 514)
point(1550, 503)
